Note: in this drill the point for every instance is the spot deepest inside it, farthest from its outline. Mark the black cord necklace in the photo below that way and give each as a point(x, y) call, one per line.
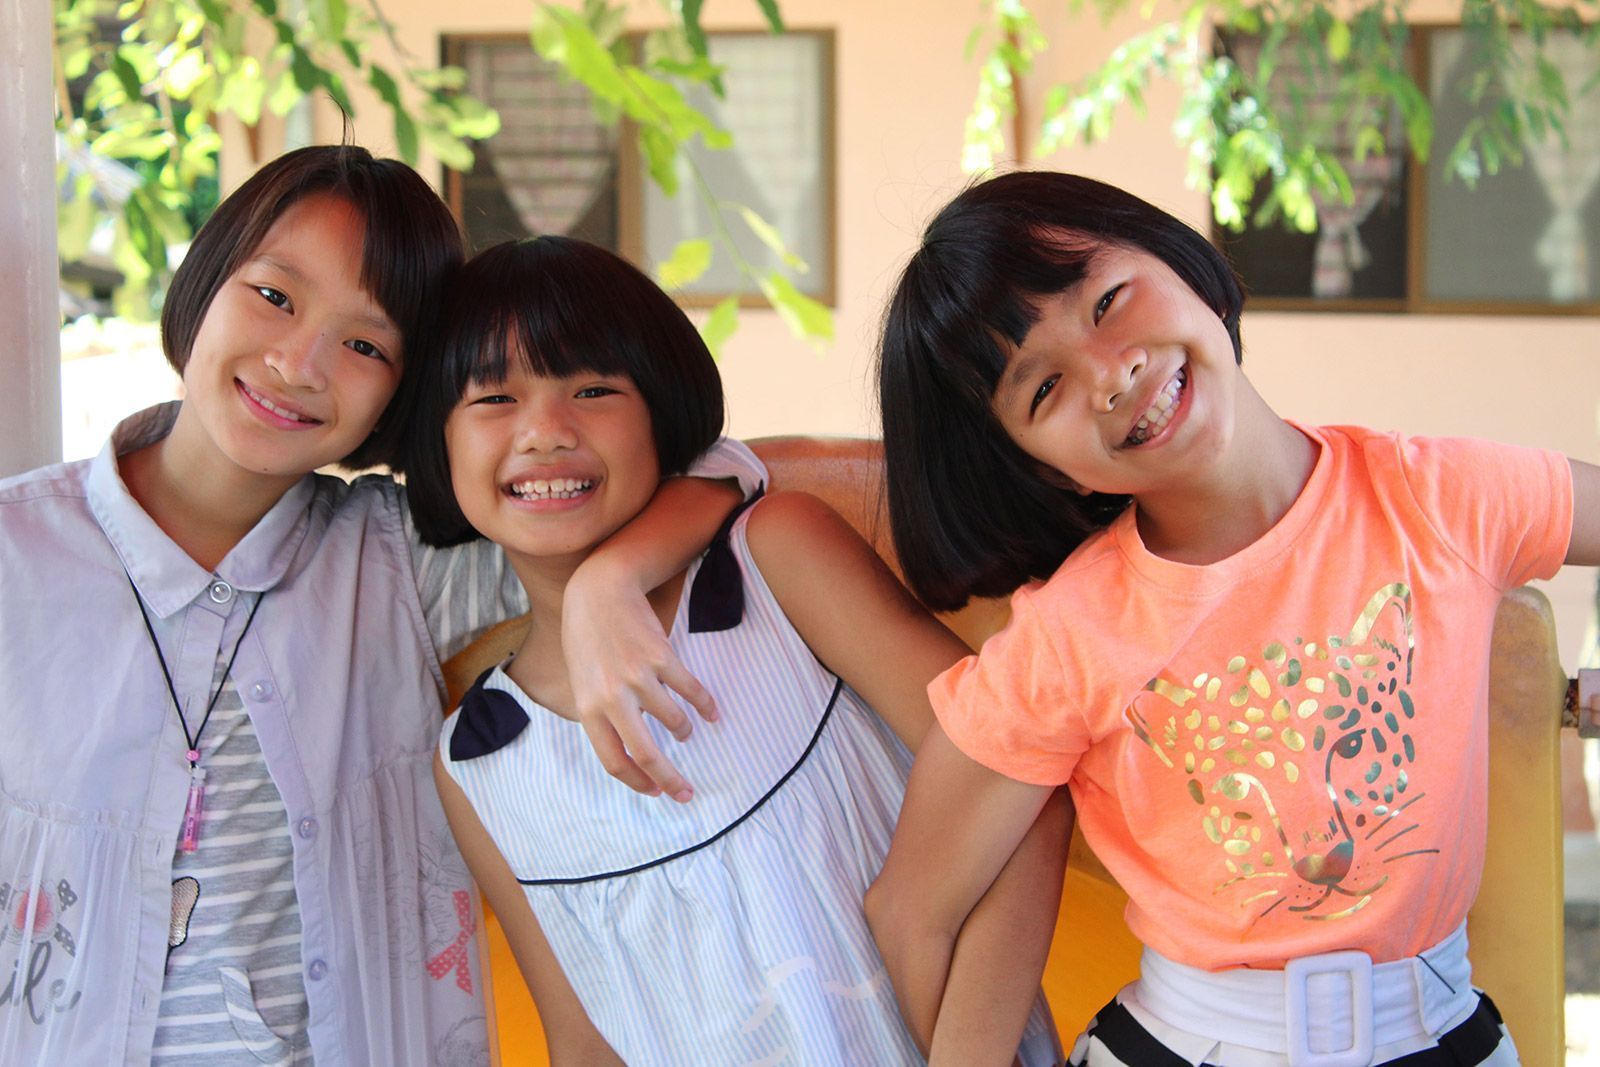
point(189, 840)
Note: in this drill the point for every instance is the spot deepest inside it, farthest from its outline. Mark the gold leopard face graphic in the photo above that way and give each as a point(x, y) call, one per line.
point(1298, 761)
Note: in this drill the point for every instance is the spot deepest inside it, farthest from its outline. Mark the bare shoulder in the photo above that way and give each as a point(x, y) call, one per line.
point(790, 528)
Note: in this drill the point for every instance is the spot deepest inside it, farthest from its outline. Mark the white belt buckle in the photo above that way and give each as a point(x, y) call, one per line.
point(1297, 975)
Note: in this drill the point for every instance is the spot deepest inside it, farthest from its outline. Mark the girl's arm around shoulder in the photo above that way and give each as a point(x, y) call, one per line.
point(851, 609)
point(569, 1035)
point(619, 660)
point(1584, 551)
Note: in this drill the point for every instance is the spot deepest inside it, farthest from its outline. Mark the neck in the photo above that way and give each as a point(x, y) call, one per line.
point(540, 666)
point(1268, 463)
point(205, 506)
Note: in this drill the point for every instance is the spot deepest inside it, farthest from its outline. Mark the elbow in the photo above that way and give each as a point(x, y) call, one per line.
point(898, 921)
point(886, 919)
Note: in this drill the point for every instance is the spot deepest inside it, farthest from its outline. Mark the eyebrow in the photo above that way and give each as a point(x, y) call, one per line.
point(375, 319)
point(1018, 372)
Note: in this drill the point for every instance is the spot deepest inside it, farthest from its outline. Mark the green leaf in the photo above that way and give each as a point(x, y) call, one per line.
point(769, 8)
point(284, 95)
point(335, 86)
point(244, 92)
point(720, 325)
point(452, 151)
point(307, 75)
point(807, 318)
point(451, 78)
point(131, 141)
point(771, 238)
point(75, 219)
point(1339, 40)
point(75, 61)
point(405, 137)
point(661, 156)
point(472, 118)
point(186, 72)
point(330, 17)
point(127, 76)
point(689, 260)
point(689, 12)
point(384, 85)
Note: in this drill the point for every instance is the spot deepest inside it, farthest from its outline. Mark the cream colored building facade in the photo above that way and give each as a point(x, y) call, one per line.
point(903, 87)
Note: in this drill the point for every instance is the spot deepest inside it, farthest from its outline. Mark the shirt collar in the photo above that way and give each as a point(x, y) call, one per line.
point(163, 573)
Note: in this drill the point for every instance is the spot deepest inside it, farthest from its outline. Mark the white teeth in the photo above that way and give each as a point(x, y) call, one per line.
point(1153, 421)
point(550, 488)
point(282, 413)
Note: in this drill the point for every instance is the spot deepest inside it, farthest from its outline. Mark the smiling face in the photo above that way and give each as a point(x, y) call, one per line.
point(294, 362)
point(1126, 384)
point(548, 467)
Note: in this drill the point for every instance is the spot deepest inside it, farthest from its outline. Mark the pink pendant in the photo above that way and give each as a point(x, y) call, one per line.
point(190, 839)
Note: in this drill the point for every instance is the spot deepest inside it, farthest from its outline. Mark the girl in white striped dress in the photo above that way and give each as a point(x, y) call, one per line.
point(730, 929)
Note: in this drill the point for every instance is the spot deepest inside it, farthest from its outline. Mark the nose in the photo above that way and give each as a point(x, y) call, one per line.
point(1115, 375)
point(546, 426)
point(298, 360)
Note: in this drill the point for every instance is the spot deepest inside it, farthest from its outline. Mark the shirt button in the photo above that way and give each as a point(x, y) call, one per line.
point(307, 828)
point(220, 592)
point(142, 1000)
point(261, 691)
point(317, 970)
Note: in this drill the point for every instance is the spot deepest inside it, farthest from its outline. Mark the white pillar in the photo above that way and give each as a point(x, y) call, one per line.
point(30, 332)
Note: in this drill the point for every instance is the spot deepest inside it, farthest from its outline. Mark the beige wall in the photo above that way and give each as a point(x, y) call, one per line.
point(903, 89)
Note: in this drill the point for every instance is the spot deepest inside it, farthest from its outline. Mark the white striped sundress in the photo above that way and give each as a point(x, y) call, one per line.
point(728, 930)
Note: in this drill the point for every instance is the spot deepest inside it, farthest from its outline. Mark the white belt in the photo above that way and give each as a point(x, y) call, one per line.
point(1329, 1010)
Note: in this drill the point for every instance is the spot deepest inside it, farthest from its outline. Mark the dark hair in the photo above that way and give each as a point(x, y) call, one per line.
point(412, 244)
point(971, 513)
point(560, 306)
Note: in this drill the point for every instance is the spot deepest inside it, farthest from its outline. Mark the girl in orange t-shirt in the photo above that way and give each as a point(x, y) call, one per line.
point(1254, 651)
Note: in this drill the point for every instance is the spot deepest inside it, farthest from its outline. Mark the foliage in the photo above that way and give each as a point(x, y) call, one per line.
point(1326, 85)
point(646, 86)
point(144, 83)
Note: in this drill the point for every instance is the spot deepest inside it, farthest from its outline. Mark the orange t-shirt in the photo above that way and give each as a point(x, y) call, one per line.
point(1282, 753)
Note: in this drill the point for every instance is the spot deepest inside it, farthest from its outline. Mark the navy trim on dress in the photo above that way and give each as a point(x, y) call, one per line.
point(827, 713)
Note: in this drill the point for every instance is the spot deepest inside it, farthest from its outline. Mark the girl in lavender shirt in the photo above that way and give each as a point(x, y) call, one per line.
point(219, 671)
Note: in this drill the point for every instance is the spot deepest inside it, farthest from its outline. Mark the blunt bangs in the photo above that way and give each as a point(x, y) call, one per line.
point(411, 247)
point(970, 513)
point(557, 307)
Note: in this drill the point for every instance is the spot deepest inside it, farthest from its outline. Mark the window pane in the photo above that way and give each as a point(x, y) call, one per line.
point(552, 168)
point(1530, 233)
point(777, 107)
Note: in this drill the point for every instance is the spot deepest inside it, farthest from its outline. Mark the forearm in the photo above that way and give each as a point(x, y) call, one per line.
point(664, 538)
point(916, 954)
point(1001, 950)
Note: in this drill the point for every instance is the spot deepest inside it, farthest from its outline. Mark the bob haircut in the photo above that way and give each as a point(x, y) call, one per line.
point(412, 245)
point(558, 306)
point(971, 513)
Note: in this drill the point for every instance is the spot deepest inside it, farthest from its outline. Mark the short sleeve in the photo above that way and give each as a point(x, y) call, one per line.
point(730, 458)
point(1507, 510)
point(1008, 708)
